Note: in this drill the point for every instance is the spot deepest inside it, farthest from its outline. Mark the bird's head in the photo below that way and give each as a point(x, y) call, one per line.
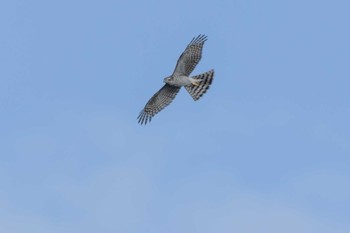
point(168, 80)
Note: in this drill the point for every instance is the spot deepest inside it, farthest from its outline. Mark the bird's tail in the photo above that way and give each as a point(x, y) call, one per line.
point(201, 87)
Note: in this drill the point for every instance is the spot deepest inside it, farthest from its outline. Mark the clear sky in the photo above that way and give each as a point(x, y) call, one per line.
point(267, 149)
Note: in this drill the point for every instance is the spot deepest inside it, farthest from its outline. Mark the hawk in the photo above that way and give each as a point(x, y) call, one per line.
point(196, 85)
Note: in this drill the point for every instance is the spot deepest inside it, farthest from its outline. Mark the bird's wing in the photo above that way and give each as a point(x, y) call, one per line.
point(190, 57)
point(159, 100)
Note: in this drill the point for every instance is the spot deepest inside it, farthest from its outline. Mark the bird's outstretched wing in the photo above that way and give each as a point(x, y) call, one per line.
point(158, 101)
point(190, 57)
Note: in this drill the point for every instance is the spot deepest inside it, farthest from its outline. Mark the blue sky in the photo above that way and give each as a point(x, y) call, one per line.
point(265, 150)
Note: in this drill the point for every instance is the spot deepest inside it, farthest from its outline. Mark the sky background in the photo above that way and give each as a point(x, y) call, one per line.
point(267, 149)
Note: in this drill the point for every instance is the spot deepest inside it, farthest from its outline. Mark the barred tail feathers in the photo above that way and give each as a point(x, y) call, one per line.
point(197, 91)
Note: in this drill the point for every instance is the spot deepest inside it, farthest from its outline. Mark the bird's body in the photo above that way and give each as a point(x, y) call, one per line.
point(195, 85)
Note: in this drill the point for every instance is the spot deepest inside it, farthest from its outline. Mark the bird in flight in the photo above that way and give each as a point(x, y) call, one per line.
point(196, 85)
